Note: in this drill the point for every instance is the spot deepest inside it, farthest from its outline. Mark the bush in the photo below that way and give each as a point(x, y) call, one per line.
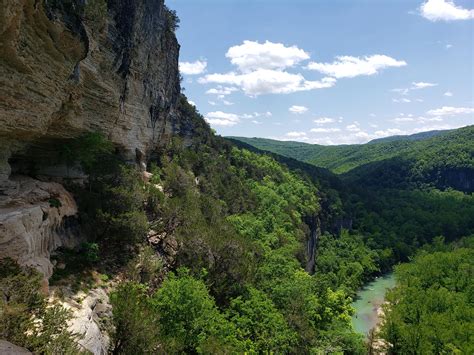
point(25, 317)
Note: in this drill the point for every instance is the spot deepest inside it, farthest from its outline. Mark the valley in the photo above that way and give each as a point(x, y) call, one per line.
point(130, 224)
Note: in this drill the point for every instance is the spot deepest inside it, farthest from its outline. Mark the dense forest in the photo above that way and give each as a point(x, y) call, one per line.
point(430, 311)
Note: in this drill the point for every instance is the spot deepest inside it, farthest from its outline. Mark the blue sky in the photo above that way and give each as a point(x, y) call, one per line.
point(328, 71)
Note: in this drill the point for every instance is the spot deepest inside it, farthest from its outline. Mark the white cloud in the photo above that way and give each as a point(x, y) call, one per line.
point(250, 56)
point(192, 68)
point(349, 67)
point(212, 103)
point(256, 114)
point(388, 132)
point(266, 81)
point(448, 46)
point(296, 134)
point(420, 119)
point(448, 94)
point(227, 103)
point(324, 130)
point(219, 118)
point(256, 122)
point(450, 111)
point(353, 128)
point(402, 100)
point(192, 103)
point(421, 85)
point(221, 90)
point(414, 86)
point(403, 119)
point(298, 109)
point(444, 10)
point(323, 120)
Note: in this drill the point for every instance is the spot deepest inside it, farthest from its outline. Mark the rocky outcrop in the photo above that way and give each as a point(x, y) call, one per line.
point(90, 313)
point(461, 179)
point(164, 245)
point(69, 67)
point(312, 242)
point(35, 219)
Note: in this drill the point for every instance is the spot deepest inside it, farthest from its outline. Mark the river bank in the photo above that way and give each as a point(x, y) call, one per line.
point(368, 303)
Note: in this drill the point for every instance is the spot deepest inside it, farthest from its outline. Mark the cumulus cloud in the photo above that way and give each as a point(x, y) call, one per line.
point(421, 85)
point(298, 109)
point(219, 118)
point(250, 56)
point(349, 67)
point(448, 94)
point(296, 134)
point(261, 69)
point(324, 130)
point(444, 10)
point(221, 90)
point(450, 111)
point(388, 132)
point(353, 127)
point(420, 119)
point(266, 81)
point(324, 120)
point(193, 68)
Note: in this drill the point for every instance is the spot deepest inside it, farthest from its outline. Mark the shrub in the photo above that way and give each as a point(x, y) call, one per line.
point(25, 317)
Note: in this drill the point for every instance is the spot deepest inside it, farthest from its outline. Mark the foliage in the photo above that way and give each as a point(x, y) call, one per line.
point(88, 150)
point(345, 262)
point(260, 325)
point(399, 162)
point(111, 209)
point(398, 219)
point(431, 309)
point(25, 317)
point(172, 19)
point(145, 266)
point(135, 322)
point(189, 318)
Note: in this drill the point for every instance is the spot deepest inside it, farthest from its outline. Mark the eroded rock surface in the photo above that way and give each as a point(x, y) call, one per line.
point(33, 222)
point(90, 313)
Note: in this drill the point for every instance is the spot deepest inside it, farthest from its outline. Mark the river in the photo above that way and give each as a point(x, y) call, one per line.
point(368, 301)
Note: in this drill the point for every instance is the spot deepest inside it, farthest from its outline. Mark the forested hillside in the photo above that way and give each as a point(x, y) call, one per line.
point(423, 157)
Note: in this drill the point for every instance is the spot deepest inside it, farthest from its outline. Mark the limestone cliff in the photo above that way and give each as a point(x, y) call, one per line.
point(68, 67)
point(72, 66)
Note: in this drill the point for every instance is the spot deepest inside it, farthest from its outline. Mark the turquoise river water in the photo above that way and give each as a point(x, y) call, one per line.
point(368, 301)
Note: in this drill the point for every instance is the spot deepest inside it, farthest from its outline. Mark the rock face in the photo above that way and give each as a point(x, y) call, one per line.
point(89, 319)
point(69, 67)
point(34, 218)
